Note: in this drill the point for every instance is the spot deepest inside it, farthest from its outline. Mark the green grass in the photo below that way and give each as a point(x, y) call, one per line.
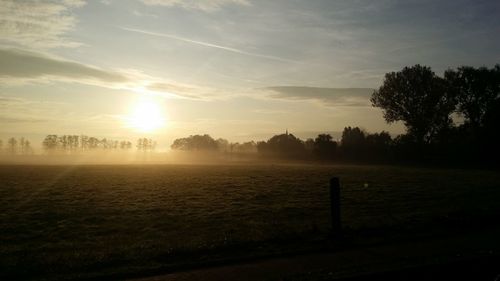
point(79, 220)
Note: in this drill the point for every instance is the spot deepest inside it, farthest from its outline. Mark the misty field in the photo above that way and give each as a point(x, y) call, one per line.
point(73, 220)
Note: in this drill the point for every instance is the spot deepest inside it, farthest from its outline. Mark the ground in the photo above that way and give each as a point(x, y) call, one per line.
point(129, 220)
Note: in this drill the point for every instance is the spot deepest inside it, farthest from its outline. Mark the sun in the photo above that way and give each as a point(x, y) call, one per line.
point(146, 116)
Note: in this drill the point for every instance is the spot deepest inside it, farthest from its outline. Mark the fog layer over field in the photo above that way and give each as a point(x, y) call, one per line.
point(117, 158)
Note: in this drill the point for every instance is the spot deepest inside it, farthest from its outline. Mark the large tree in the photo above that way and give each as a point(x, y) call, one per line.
point(418, 98)
point(195, 142)
point(324, 146)
point(353, 142)
point(284, 145)
point(476, 90)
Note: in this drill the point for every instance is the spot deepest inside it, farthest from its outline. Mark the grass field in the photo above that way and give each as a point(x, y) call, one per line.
point(74, 221)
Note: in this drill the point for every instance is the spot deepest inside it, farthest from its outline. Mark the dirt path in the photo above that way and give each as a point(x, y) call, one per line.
point(460, 258)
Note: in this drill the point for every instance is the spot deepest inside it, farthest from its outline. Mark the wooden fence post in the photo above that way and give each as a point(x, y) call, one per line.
point(335, 206)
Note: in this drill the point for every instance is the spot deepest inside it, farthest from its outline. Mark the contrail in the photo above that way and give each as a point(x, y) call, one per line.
point(229, 49)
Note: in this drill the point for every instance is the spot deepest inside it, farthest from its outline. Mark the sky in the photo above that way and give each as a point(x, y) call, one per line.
point(237, 69)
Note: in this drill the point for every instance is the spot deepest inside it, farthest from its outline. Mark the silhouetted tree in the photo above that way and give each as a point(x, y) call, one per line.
point(404, 148)
point(15, 146)
point(352, 138)
point(93, 143)
point(378, 146)
point(285, 145)
point(195, 142)
point(246, 147)
point(418, 98)
point(12, 145)
point(25, 146)
point(222, 145)
point(125, 145)
point(324, 147)
point(84, 142)
point(103, 143)
point(353, 143)
point(75, 143)
point(309, 145)
point(475, 90)
point(50, 143)
point(490, 134)
point(22, 142)
point(145, 144)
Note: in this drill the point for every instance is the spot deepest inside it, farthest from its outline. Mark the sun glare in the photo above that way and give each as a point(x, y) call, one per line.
point(147, 116)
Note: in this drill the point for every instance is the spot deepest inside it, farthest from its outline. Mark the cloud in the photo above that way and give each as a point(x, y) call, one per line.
point(38, 23)
point(203, 5)
point(210, 45)
point(183, 91)
point(192, 92)
point(24, 66)
point(21, 66)
point(326, 96)
point(139, 14)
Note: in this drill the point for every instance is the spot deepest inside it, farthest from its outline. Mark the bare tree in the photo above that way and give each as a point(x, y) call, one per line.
point(12, 146)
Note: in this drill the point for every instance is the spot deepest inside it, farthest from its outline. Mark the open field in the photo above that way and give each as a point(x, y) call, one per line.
point(73, 220)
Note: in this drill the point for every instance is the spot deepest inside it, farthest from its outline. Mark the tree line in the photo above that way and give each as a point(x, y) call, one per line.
point(207, 143)
point(355, 144)
point(69, 144)
point(448, 119)
point(83, 143)
point(15, 146)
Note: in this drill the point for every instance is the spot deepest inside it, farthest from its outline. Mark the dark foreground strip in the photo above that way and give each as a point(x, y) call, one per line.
point(487, 269)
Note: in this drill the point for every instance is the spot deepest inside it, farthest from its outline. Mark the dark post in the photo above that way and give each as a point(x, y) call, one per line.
point(335, 205)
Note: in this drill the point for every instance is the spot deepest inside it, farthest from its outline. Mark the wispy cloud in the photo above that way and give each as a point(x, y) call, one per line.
point(40, 23)
point(190, 91)
point(210, 45)
point(22, 66)
point(326, 96)
point(139, 14)
point(182, 91)
point(203, 5)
